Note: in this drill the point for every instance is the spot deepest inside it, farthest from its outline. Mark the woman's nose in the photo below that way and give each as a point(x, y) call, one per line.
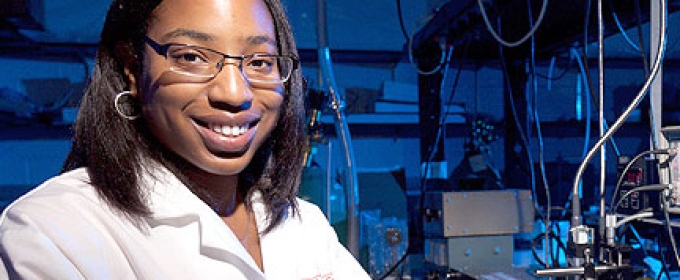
point(230, 88)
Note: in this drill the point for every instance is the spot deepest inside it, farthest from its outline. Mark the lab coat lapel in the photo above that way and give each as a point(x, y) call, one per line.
point(173, 204)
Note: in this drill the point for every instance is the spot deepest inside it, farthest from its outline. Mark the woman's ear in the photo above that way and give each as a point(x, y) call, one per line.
point(132, 79)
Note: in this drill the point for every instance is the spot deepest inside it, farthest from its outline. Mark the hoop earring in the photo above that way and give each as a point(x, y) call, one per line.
point(126, 105)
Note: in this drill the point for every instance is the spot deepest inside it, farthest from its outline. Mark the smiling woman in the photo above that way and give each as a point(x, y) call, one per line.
point(186, 157)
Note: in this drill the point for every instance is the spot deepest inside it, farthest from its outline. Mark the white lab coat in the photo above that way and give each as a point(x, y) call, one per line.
point(63, 230)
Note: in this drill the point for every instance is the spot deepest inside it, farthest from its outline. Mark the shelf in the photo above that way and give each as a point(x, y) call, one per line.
point(388, 118)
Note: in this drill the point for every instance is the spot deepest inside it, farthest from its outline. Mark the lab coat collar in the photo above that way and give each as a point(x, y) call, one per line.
point(173, 204)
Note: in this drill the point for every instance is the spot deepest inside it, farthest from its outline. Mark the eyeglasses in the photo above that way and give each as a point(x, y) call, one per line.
point(203, 62)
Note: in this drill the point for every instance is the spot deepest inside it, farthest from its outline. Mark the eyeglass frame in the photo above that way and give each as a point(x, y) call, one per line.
point(162, 50)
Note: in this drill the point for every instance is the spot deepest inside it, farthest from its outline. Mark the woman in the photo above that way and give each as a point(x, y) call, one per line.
point(185, 160)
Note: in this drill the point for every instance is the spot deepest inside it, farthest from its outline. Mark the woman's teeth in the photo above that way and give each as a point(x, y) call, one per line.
point(227, 130)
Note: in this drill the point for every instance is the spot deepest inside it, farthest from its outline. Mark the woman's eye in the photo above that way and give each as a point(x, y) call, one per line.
point(261, 63)
point(189, 57)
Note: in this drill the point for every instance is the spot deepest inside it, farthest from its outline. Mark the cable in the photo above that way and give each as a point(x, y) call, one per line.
point(415, 66)
point(637, 216)
point(642, 49)
point(455, 83)
point(400, 16)
point(655, 187)
point(520, 41)
point(664, 264)
point(538, 238)
point(409, 43)
point(539, 136)
point(620, 27)
point(674, 211)
point(586, 77)
point(423, 181)
point(601, 118)
point(550, 77)
point(521, 133)
point(586, 139)
point(586, 25)
point(576, 206)
point(670, 231)
point(630, 164)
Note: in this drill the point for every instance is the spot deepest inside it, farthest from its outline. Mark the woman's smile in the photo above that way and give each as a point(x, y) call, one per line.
point(230, 138)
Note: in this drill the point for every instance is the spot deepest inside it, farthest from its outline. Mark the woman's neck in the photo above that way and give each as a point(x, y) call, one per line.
point(221, 193)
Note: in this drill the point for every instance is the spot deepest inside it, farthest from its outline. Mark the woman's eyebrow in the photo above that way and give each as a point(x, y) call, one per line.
point(255, 40)
point(190, 33)
point(261, 39)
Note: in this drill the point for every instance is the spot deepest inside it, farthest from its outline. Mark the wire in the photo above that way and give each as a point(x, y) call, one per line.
point(670, 231)
point(521, 133)
point(620, 27)
point(520, 41)
point(627, 168)
point(586, 141)
point(433, 150)
point(655, 187)
point(589, 89)
point(636, 216)
point(561, 75)
point(552, 67)
point(409, 43)
point(675, 211)
point(538, 238)
point(586, 25)
point(415, 66)
point(539, 136)
point(455, 83)
point(664, 264)
point(576, 206)
point(400, 16)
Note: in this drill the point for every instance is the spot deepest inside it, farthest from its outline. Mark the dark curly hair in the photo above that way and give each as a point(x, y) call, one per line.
point(116, 151)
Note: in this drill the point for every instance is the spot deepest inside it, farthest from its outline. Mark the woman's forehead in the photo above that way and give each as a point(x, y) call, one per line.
point(212, 20)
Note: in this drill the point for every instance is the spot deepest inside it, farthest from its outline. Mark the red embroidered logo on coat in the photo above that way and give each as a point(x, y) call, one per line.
point(327, 276)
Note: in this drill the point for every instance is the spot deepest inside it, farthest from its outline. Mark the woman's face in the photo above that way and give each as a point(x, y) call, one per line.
point(217, 123)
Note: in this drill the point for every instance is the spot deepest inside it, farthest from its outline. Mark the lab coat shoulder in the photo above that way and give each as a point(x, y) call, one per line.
point(65, 224)
point(307, 242)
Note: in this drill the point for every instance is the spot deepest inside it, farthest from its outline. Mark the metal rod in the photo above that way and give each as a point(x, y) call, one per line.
point(337, 105)
point(603, 151)
point(572, 271)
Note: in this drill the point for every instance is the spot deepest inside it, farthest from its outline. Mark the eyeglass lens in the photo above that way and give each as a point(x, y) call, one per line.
point(203, 62)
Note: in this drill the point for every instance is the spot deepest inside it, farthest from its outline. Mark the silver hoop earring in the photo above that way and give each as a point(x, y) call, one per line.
point(126, 105)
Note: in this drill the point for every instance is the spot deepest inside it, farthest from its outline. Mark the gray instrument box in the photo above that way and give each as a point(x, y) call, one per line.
point(477, 213)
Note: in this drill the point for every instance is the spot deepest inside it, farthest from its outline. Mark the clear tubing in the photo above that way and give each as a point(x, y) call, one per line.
point(337, 105)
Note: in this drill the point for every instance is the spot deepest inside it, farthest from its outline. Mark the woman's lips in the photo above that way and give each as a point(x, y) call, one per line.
point(226, 138)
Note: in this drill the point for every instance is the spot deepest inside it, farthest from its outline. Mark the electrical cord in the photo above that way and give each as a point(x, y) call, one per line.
point(621, 29)
point(636, 216)
point(522, 135)
point(642, 49)
point(629, 165)
point(433, 150)
point(539, 136)
point(586, 139)
point(538, 238)
point(664, 264)
point(409, 44)
point(561, 75)
point(520, 41)
point(656, 187)
point(589, 89)
point(576, 206)
point(415, 66)
point(586, 74)
point(400, 16)
point(671, 237)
